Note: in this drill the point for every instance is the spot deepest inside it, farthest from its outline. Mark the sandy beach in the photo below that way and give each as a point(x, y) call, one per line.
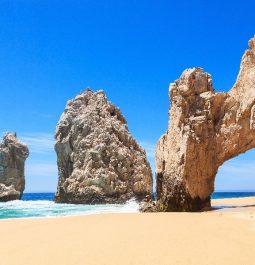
point(225, 236)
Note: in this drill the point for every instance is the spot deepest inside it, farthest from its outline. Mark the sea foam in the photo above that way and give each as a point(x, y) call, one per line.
point(44, 208)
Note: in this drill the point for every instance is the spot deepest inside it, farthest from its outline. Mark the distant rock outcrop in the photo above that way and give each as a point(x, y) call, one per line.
point(205, 130)
point(13, 154)
point(98, 159)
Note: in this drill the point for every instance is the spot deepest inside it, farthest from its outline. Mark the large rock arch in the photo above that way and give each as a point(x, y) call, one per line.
point(205, 130)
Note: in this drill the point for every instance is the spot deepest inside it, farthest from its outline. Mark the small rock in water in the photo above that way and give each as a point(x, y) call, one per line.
point(13, 154)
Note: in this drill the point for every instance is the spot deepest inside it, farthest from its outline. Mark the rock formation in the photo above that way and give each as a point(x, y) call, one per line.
point(205, 130)
point(98, 159)
point(13, 154)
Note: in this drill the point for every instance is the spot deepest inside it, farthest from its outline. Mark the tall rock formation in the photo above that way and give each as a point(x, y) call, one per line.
point(13, 154)
point(205, 130)
point(98, 159)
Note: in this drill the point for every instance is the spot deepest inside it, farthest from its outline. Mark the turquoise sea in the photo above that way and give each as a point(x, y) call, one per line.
point(42, 205)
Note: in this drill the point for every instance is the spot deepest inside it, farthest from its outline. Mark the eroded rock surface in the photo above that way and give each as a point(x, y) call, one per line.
point(205, 130)
point(13, 154)
point(98, 159)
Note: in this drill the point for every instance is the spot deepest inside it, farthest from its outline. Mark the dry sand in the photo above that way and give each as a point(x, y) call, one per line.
point(218, 237)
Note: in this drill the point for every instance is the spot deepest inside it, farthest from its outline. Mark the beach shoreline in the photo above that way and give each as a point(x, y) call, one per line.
point(214, 237)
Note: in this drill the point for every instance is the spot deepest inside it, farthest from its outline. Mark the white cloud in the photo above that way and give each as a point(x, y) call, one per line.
point(38, 143)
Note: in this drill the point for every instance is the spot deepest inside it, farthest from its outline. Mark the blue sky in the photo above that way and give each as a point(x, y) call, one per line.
point(51, 50)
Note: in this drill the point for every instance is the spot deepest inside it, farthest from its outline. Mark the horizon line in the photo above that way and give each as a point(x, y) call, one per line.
point(153, 191)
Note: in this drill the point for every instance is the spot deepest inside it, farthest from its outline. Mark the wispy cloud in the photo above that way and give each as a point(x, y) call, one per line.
point(236, 175)
point(41, 115)
point(38, 143)
point(149, 148)
point(238, 168)
point(41, 169)
point(42, 160)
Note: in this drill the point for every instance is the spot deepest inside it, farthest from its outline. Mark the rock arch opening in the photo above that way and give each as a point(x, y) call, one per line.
point(237, 174)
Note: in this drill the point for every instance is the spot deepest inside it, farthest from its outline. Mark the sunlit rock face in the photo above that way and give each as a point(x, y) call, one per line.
point(205, 130)
point(98, 159)
point(13, 154)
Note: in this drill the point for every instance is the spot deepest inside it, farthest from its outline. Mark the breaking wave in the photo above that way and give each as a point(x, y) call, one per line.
point(46, 208)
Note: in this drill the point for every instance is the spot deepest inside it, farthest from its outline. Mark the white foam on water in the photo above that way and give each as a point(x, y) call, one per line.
point(28, 209)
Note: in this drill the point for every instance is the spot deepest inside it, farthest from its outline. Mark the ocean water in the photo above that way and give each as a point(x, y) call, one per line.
point(42, 205)
point(227, 195)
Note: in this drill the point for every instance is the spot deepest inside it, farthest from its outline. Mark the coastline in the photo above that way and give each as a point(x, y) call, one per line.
point(127, 238)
